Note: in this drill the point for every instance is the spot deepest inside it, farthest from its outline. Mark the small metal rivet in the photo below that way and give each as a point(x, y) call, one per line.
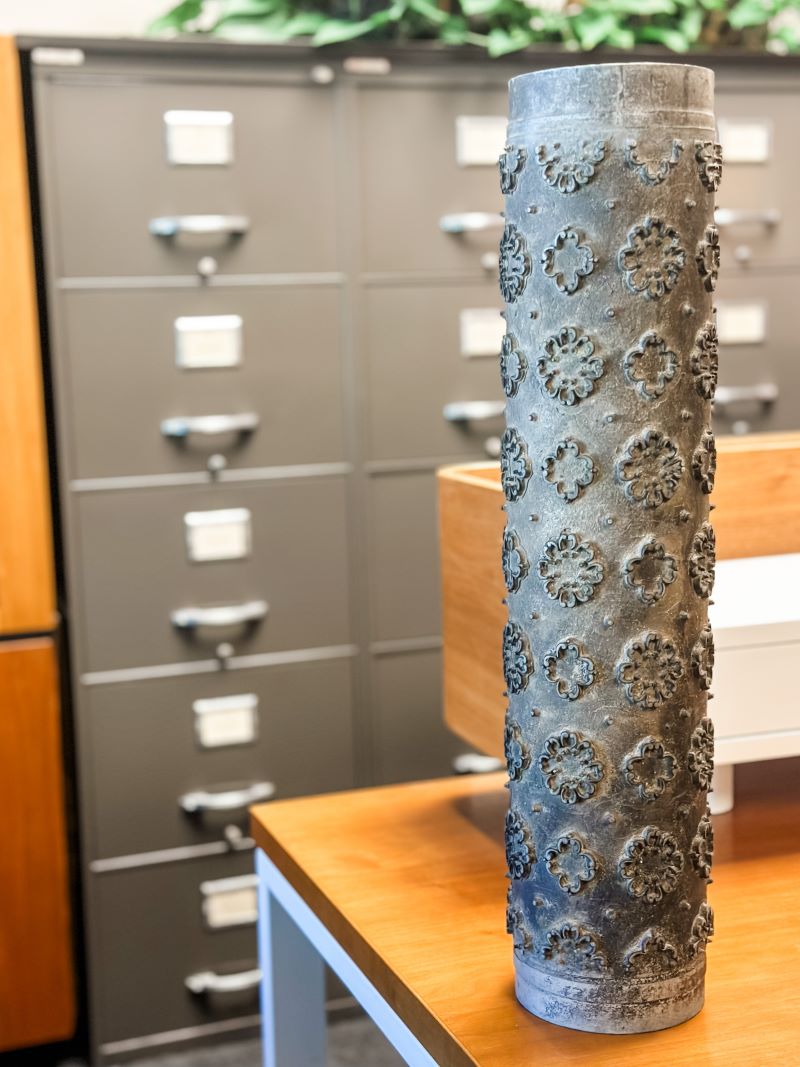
point(683, 811)
point(684, 515)
point(608, 622)
point(536, 807)
point(684, 713)
point(610, 914)
point(533, 417)
point(690, 203)
point(685, 905)
point(609, 520)
point(609, 720)
point(610, 313)
point(610, 417)
point(686, 415)
point(683, 616)
point(534, 518)
point(535, 713)
point(534, 314)
point(532, 209)
point(609, 819)
point(687, 309)
point(610, 204)
point(534, 615)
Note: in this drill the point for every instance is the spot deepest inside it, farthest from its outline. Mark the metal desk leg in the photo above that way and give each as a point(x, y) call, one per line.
point(292, 987)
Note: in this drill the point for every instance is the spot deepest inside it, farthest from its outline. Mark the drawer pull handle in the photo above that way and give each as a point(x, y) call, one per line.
point(476, 763)
point(210, 982)
point(473, 410)
point(225, 615)
point(765, 394)
point(183, 426)
point(200, 800)
point(203, 225)
point(471, 222)
point(728, 216)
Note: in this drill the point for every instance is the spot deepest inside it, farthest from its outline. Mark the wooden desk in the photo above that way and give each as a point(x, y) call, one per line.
point(403, 891)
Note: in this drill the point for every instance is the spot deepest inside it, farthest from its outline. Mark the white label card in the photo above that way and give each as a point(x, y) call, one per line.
point(741, 324)
point(480, 139)
point(482, 331)
point(199, 138)
point(223, 721)
point(745, 140)
point(203, 341)
point(230, 901)
point(217, 535)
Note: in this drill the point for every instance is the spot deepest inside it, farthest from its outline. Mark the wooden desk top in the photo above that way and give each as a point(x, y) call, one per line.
point(411, 881)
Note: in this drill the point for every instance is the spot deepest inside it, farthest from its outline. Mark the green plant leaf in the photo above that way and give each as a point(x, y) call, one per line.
point(670, 38)
point(503, 41)
point(691, 24)
point(623, 38)
point(480, 8)
point(177, 17)
point(749, 13)
point(644, 8)
point(334, 30)
point(592, 27)
point(429, 10)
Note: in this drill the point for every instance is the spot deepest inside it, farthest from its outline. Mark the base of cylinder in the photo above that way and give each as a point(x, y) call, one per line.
point(607, 1005)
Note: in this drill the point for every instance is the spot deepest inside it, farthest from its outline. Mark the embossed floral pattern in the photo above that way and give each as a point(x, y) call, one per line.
point(568, 367)
point(653, 170)
point(701, 852)
point(702, 560)
point(652, 259)
point(709, 160)
point(704, 361)
point(649, 571)
point(513, 365)
point(650, 469)
point(651, 954)
point(650, 366)
point(517, 753)
point(520, 855)
point(573, 947)
point(701, 754)
point(570, 767)
point(567, 260)
point(568, 469)
point(649, 670)
point(515, 925)
point(702, 930)
point(571, 863)
point(703, 657)
point(515, 561)
point(517, 659)
point(650, 768)
point(515, 466)
point(567, 169)
point(707, 258)
point(704, 461)
point(651, 864)
point(568, 570)
point(515, 264)
point(568, 669)
point(511, 163)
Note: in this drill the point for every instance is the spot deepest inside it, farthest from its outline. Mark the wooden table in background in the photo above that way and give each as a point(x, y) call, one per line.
point(402, 890)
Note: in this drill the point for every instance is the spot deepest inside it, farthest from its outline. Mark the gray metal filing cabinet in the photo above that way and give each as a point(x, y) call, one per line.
point(273, 313)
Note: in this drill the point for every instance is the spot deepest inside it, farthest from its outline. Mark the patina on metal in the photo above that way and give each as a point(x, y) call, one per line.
point(608, 264)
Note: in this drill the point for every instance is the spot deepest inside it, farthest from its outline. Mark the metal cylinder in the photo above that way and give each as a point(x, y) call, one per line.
point(608, 263)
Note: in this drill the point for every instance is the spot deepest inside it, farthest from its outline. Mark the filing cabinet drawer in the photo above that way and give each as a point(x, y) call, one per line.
point(759, 380)
point(412, 740)
point(403, 556)
point(430, 347)
point(126, 374)
point(151, 935)
point(135, 571)
point(402, 203)
point(759, 213)
point(156, 744)
point(111, 177)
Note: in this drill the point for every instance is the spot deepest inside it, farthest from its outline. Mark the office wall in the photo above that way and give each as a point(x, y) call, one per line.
point(79, 17)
